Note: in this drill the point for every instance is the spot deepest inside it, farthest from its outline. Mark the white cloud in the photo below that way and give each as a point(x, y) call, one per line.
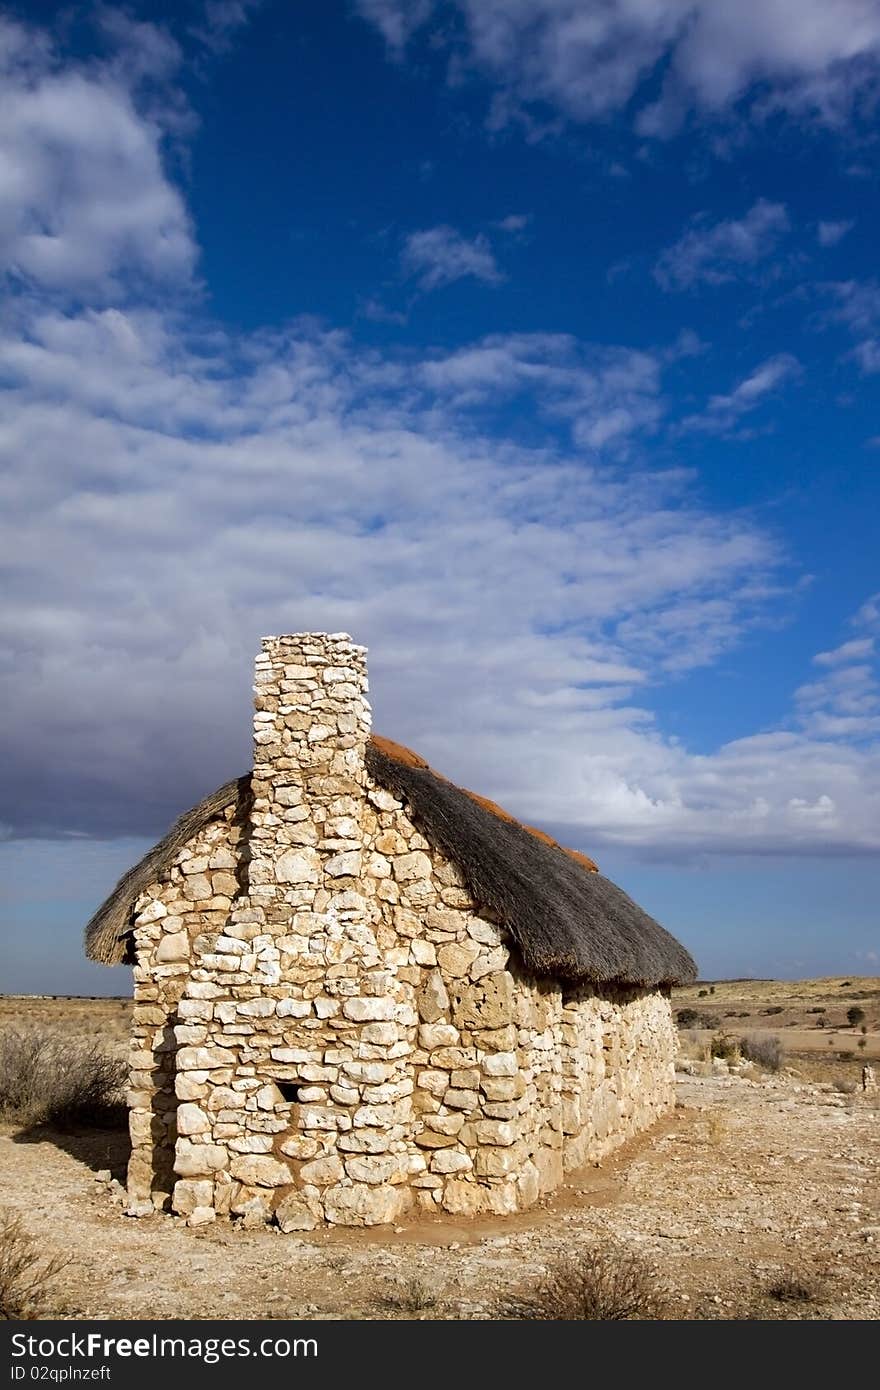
point(439, 256)
point(174, 509)
point(855, 650)
point(714, 253)
point(607, 394)
point(857, 305)
point(587, 61)
point(187, 490)
point(724, 411)
point(83, 194)
point(830, 233)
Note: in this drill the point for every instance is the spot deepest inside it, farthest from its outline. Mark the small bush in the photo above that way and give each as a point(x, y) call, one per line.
point(594, 1286)
point(26, 1276)
point(817, 1010)
point(688, 1018)
point(855, 1016)
point(767, 1052)
point(724, 1046)
point(774, 1009)
point(793, 1288)
point(49, 1080)
point(411, 1297)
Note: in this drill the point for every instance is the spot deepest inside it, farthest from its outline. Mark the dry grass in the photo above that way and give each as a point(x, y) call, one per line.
point(411, 1297)
point(54, 1081)
point(605, 1285)
point(793, 1287)
point(26, 1275)
point(716, 1127)
point(766, 1052)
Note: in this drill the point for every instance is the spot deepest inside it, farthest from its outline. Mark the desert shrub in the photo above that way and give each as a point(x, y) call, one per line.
point(606, 1285)
point(702, 993)
point(817, 1010)
point(722, 1045)
point(767, 1052)
point(845, 1055)
point(688, 1018)
point(26, 1275)
point(413, 1296)
point(862, 1043)
point(49, 1080)
point(794, 1288)
point(855, 1016)
point(774, 1009)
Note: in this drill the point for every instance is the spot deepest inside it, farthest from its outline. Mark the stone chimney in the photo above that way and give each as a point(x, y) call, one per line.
point(311, 726)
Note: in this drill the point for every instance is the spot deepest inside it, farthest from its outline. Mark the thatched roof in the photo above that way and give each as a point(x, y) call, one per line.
point(569, 921)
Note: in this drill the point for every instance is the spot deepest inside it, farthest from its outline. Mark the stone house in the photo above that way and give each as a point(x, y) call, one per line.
point(360, 990)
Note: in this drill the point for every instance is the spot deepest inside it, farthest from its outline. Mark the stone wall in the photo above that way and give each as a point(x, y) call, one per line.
point(354, 1037)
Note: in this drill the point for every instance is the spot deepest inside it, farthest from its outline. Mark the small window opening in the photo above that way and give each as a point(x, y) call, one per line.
point(290, 1091)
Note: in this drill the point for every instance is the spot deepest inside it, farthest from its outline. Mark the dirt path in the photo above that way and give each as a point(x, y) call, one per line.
point(745, 1182)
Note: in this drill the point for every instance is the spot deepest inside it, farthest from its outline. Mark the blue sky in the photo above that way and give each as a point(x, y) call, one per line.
point(534, 342)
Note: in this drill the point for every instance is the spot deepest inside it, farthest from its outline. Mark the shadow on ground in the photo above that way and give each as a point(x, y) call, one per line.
point(97, 1149)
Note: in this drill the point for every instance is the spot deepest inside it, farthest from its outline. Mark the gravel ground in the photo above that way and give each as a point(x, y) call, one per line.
point(747, 1182)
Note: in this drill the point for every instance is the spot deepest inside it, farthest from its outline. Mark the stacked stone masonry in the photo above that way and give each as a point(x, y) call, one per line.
point(328, 1028)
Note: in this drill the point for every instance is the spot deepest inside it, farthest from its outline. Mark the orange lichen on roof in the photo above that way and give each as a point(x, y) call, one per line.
point(491, 806)
point(398, 752)
point(542, 836)
point(584, 859)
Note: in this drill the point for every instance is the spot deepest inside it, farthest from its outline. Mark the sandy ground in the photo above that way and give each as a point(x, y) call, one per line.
point(745, 1182)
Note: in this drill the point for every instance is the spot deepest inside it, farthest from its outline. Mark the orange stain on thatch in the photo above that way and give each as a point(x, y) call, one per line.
point(584, 859)
point(399, 753)
point(491, 806)
point(542, 836)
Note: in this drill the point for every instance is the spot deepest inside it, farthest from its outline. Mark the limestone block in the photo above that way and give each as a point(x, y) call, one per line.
point(153, 912)
point(500, 1064)
point(251, 1143)
point(372, 1141)
point(323, 1170)
point(194, 1160)
point(487, 1004)
point(361, 1008)
point(293, 1008)
point(346, 865)
point(376, 1168)
point(260, 1170)
point(363, 1205)
point(432, 999)
point(189, 1195)
point(204, 1058)
point(496, 1132)
point(456, 958)
point(301, 865)
point(197, 887)
point(191, 1119)
point(293, 1213)
point(172, 948)
point(451, 1161)
point(434, 1035)
point(462, 1198)
point(415, 865)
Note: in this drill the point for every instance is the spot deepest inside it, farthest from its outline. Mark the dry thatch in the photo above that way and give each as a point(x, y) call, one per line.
point(107, 932)
point(568, 920)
